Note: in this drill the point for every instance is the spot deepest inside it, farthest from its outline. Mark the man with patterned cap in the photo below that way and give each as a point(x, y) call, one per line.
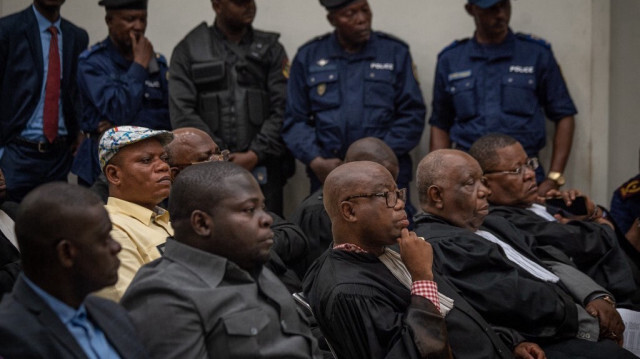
point(349, 84)
point(504, 82)
point(122, 81)
point(230, 81)
point(134, 161)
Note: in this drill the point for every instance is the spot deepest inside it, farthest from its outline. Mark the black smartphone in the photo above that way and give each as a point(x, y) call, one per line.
point(578, 206)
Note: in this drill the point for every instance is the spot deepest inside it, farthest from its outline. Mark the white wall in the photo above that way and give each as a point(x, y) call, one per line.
point(625, 81)
point(577, 29)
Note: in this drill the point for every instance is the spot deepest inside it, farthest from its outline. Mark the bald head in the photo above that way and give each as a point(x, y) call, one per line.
point(349, 179)
point(432, 170)
point(190, 145)
point(375, 150)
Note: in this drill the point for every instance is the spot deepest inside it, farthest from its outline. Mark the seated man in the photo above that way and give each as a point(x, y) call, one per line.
point(311, 216)
point(192, 146)
point(133, 160)
point(364, 308)
point(209, 295)
point(67, 253)
point(589, 240)
point(495, 270)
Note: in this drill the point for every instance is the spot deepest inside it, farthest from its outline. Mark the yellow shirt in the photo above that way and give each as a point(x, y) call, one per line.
point(142, 233)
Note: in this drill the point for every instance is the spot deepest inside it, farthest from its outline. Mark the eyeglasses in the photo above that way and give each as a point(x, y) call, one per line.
point(217, 157)
point(530, 163)
point(391, 197)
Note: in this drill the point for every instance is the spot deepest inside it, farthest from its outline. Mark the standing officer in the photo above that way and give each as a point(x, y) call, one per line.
point(230, 81)
point(349, 84)
point(499, 81)
point(38, 115)
point(122, 82)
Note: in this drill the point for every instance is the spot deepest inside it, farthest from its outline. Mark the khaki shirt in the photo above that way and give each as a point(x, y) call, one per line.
point(142, 233)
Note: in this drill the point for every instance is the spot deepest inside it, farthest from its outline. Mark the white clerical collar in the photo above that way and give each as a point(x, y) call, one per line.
point(541, 211)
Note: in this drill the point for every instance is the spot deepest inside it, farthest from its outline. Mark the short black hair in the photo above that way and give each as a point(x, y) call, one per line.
point(43, 215)
point(485, 148)
point(201, 187)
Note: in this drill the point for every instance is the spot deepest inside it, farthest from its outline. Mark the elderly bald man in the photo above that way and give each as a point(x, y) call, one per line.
point(495, 270)
point(371, 302)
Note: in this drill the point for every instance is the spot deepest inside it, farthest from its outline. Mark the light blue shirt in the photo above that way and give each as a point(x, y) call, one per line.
point(34, 129)
point(90, 338)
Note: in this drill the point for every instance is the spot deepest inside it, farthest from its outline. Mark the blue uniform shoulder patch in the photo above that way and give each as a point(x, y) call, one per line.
point(453, 45)
point(391, 37)
point(93, 49)
point(160, 58)
point(533, 38)
point(630, 188)
point(317, 38)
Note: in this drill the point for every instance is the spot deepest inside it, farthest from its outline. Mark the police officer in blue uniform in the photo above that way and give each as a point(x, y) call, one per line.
point(122, 81)
point(349, 84)
point(499, 81)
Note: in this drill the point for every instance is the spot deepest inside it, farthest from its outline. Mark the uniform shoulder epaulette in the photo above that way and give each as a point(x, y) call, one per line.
point(533, 38)
point(267, 36)
point(453, 45)
point(317, 38)
point(391, 37)
point(93, 49)
point(631, 188)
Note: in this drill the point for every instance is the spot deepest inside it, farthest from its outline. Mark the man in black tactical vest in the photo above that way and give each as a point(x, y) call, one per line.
point(230, 81)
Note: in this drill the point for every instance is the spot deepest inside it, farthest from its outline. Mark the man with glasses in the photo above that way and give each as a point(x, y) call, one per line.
point(370, 301)
point(589, 240)
point(494, 268)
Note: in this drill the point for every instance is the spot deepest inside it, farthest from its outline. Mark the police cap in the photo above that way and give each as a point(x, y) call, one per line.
point(124, 4)
point(335, 4)
point(484, 3)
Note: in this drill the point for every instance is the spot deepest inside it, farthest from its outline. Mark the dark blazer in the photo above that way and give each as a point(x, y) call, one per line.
point(30, 329)
point(22, 71)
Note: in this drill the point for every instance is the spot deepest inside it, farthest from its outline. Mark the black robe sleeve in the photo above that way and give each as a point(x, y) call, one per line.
point(369, 328)
point(502, 292)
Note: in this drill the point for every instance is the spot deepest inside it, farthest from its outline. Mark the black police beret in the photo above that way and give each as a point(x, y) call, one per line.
point(335, 4)
point(124, 4)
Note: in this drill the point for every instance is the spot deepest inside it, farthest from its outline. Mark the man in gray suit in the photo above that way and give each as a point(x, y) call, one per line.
point(210, 294)
point(67, 253)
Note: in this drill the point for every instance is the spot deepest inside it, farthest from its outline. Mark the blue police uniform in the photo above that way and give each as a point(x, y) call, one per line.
point(335, 98)
point(121, 92)
point(625, 204)
point(506, 88)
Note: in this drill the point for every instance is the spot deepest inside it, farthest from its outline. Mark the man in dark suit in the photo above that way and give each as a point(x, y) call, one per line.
point(67, 253)
point(38, 92)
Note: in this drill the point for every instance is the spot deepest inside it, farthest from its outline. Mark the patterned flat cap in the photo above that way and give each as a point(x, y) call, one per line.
point(116, 138)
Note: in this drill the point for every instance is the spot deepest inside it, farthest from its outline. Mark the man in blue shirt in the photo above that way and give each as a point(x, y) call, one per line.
point(499, 81)
point(67, 253)
point(122, 81)
point(350, 84)
point(38, 61)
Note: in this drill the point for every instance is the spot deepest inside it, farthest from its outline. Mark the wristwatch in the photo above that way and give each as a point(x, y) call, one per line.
point(556, 177)
point(609, 300)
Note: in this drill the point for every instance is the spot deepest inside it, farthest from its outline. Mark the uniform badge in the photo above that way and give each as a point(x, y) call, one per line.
point(630, 189)
point(322, 88)
point(322, 62)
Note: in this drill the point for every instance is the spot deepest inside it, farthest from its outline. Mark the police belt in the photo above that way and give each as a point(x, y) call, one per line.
point(59, 143)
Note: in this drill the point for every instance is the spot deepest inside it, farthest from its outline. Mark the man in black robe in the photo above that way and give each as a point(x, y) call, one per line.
point(496, 272)
point(311, 216)
point(589, 240)
point(362, 307)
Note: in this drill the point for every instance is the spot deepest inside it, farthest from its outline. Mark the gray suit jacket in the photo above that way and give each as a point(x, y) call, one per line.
point(29, 328)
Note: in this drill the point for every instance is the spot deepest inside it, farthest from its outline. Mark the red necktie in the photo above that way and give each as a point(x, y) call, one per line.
point(52, 89)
